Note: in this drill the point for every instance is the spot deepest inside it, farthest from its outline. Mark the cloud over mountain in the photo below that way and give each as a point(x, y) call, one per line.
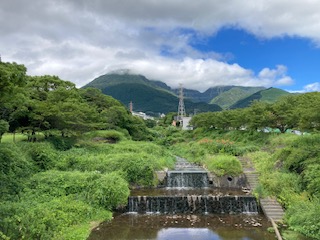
point(79, 40)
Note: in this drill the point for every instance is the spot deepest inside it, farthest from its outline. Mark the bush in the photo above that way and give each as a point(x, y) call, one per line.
point(62, 143)
point(224, 165)
point(104, 190)
point(304, 217)
point(14, 168)
point(138, 160)
point(43, 155)
point(50, 219)
point(111, 136)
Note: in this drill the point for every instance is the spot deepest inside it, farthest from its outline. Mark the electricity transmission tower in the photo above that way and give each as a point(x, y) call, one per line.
point(181, 109)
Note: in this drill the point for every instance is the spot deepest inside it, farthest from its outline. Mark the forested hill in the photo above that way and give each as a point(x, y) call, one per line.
point(156, 97)
point(269, 95)
point(152, 97)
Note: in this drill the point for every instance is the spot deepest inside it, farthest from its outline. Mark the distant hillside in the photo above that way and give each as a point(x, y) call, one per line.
point(155, 97)
point(269, 95)
point(152, 97)
point(233, 95)
point(206, 96)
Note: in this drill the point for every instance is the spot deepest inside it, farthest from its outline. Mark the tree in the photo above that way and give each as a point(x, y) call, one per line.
point(4, 127)
point(97, 99)
point(307, 108)
point(204, 120)
point(283, 114)
point(115, 116)
point(258, 115)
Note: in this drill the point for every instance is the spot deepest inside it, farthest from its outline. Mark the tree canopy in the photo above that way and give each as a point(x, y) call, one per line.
point(296, 112)
point(46, 103)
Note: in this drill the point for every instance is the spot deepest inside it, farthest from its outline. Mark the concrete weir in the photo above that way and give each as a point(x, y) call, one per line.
point(195, 204)
point(186, 179)
point(190, 176)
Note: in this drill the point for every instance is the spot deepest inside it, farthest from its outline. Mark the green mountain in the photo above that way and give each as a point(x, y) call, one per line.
point(269, 95)
point(206, 96)
point(233, 95)
point(151, 97)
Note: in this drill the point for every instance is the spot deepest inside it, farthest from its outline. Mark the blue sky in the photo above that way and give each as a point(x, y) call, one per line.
point(201, 44)
point(300, 55)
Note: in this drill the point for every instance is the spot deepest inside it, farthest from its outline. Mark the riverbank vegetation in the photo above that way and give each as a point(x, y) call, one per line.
point(47, 193)
point(68, 156)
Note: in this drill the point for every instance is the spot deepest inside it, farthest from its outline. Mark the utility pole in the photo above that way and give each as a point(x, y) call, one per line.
point(181, 109)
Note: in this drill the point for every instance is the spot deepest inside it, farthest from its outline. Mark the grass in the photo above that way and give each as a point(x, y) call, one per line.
point(8, 137)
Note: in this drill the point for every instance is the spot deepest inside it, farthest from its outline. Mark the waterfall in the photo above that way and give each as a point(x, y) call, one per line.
point(188, 176)
point(196, 204)
point(187, 179)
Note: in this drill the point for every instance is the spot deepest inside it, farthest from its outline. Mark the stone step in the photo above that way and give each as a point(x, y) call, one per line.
point(272, 209)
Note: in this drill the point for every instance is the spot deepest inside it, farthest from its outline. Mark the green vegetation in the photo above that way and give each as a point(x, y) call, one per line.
point(68, 156)
point(53, 193)
point(223, 164)
point(155, 97)
point(148, 98)
point(269, 95)
point(232, 96)
point(288, 113)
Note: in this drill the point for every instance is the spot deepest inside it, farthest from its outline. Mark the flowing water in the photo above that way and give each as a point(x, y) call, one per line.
point(187, 209)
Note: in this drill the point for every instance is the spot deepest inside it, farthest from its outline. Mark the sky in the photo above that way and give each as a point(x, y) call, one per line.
point(201, 44)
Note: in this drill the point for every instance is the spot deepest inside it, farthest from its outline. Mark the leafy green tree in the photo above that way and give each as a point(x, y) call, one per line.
point(307, 109)
point(12, 76)
point(168, 118)
point(283, 114)
point(137, 128)
point(204, 120)
point(115, 116)
point(97, 99)
point(13, 95)
point(258, 115)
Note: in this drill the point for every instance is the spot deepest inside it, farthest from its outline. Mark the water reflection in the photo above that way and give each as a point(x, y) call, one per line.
point(186, 227)
point(187, 234)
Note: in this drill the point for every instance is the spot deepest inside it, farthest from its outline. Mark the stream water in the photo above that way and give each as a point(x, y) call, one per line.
point(187, 209)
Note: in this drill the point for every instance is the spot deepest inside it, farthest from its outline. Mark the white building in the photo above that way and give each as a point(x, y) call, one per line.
point(142, 115)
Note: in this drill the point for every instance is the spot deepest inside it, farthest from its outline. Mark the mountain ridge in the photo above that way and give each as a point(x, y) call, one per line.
point(154, 96)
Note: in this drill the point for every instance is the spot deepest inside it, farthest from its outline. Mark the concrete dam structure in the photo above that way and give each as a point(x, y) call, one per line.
point(186, 177)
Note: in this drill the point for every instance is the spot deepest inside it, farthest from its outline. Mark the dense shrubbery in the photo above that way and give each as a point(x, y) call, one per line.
point(52, 191)
point(50, 218)
point(136, 160)
point(223, 164)
point(14, 170)
point(42, 154)
point(104, 190)
point(291, 174)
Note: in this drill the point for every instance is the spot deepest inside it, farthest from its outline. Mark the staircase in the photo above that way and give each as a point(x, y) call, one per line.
point(271, 208)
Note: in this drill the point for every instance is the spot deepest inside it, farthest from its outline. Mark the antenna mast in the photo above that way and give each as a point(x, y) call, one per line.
point(181, 109)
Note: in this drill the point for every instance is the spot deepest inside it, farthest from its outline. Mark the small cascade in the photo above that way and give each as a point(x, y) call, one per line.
point(188, 176)
point(196, 204)
point(187, 179)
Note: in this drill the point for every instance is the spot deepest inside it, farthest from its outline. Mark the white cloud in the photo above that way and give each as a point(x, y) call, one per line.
point(79, 40)
point(313, 87)
point(276, 76)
